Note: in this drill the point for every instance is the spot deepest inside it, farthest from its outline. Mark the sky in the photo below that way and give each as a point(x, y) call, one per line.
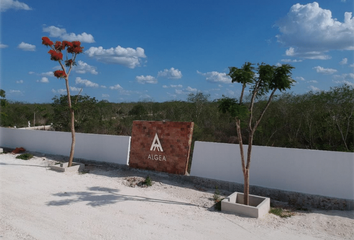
point(163, 50)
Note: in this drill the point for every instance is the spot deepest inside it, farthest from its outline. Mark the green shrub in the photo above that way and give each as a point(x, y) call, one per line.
point(25, 156)
point(281, 212)
point(147, 181)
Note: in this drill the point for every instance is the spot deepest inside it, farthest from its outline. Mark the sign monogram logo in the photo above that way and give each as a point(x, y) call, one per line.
point(156, 145)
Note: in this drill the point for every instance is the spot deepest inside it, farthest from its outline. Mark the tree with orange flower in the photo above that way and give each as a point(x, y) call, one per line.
point(74, 48)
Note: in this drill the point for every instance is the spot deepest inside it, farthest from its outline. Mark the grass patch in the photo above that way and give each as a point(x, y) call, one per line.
point(25, 156)
point(148, 181)
point(283, 213)
point(217, 199)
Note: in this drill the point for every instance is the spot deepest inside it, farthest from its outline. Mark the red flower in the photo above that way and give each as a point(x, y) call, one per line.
point(60, 74)
point(75, 47)
point(59, 46)
point(76, 50)
point(66, 43)
point(70, 62)
point(46, 41)
point(76, 43)
point(54, 55)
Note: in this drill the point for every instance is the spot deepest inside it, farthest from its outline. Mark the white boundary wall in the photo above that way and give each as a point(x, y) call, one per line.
point(313, 172)
point(97, 147)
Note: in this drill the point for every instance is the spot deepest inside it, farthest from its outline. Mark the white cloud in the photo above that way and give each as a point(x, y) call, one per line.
point(173, 86)
point(291, 60)
point(26, 46)
point(146, 79)
point(63, 91)
point(351, 65)
point(314, 89)
point(46, 74)
point(13, 4)
point(190, 89)
point(105, 95)
point(187, 90)
point(61, 33)
point(115, 87)
point(3, 45)
point(75, 89)
point(345, 82)
point(19, 82)
point(308, 55)
point(170, 73)
point(15, 91)
point(230, 92)
point(60, 91)
point(216, 77)
point(313, 31)
point(325, 70)
point(43, 80)
point(128, 57)
point(103, 86)
point(312, 81)
point(344, 76)
point(83, 67)
point(300, 78)
point(179, 91)
point(344, 61)
point(85, 82)
point(145, 97)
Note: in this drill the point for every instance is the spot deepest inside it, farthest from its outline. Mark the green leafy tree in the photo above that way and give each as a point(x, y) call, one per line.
point(3, 103)
point(87, 114)
point(269, 79)
point(74, 48)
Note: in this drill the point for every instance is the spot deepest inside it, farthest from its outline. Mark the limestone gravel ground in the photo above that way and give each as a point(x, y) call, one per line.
point(110, 203)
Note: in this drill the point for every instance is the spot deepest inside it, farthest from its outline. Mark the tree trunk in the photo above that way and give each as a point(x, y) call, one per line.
point(246, 187)
point(72, 126)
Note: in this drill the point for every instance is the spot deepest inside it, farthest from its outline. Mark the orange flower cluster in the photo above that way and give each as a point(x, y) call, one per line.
point(66, 43)
point(60, 74)
point(72, 47)
point(46, 41)
point(55, 56)
point(76, 48)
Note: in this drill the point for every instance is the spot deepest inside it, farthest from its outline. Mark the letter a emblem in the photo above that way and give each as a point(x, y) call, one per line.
point(156, 144)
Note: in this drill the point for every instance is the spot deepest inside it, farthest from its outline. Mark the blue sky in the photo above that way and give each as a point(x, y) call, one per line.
point(163, 50)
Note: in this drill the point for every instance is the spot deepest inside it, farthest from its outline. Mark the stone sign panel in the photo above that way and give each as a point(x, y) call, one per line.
point(161, 146)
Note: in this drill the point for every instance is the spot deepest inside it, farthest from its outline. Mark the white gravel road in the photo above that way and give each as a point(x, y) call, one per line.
point(38, 203)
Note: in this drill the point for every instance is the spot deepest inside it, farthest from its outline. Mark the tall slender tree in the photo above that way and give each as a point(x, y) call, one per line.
point(268, 79)
point(74, 48)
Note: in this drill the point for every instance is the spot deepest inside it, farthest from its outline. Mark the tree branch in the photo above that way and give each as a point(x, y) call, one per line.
point(264, 110)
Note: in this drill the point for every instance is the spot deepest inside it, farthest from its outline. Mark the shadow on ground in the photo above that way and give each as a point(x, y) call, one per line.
point(100, 196)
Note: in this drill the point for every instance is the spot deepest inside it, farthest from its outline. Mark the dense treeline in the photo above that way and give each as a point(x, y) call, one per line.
point(321, 120)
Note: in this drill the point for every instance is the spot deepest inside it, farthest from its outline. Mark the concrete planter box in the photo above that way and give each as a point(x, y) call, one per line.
point(258, 208)
point(63, 167)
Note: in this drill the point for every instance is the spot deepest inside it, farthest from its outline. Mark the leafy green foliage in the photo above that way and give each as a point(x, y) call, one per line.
point(281, 212)
point(25, 156)
point(3, 104)
point(243, 75)
point(231, 105)
point(321, 120)
point(86, 113)
point(148, 181)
